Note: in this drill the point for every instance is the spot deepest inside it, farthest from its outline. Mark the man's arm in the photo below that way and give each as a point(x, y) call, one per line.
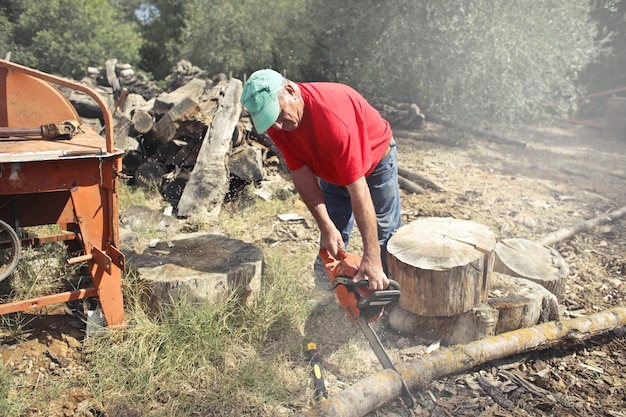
point(309, 189)
point(365, 216)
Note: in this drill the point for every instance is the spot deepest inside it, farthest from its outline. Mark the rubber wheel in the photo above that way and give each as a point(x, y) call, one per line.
point(10, 248)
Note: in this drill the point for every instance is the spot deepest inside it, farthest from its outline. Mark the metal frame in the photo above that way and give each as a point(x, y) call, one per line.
point(71, 183)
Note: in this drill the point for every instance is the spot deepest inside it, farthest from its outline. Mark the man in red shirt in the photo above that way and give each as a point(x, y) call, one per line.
point(342, 157)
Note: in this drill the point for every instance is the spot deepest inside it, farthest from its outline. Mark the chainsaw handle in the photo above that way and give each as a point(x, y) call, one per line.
point(393, 285)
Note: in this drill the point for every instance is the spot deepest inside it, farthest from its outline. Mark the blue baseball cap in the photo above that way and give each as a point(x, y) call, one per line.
point(259, 97)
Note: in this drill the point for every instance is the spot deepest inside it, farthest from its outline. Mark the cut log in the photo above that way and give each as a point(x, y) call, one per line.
point(112, 78)
point(209, 180)
point(149, 173)
point(442, 264)
point(477, 323)
point(192, 90)
point(123, 139)
point(247, 163)
point(526, 259)
point(566, 233)
point(142, 121)
point(169, 126)
point(520, 303)
point(199, 267)
point(370, 393)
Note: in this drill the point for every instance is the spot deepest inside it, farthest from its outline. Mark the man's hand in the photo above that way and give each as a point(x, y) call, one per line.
point(372, 270)
point(332, 241)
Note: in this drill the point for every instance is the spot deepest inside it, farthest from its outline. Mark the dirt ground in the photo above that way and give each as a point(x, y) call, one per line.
point(564, 174)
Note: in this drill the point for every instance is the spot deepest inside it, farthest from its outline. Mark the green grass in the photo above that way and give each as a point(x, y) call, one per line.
point(189, 359)
point(9, 404)
point(229, 358)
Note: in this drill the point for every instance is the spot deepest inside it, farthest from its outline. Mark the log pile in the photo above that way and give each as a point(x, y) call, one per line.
point(163, 132)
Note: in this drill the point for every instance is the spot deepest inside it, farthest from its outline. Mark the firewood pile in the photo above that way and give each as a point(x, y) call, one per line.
point(163, 132)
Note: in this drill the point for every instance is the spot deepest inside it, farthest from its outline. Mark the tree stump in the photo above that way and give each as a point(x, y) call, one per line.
point(199, 267)
point(526, 259)
point(443, 265)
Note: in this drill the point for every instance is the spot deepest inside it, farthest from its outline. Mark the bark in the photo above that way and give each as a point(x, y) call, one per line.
point(409, 186)
point(112, 78)
point(566, 233)
point(142, 121)
point(209, 180)
point(370, 393)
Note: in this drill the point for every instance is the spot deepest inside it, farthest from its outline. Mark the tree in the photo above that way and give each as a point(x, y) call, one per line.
point(471, 60)
point(66, 36)
point(161, 25)
point(607, 72)
point(242, 36)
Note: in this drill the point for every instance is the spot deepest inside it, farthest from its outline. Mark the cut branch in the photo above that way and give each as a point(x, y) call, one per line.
point(409, 186)
point(568, 232)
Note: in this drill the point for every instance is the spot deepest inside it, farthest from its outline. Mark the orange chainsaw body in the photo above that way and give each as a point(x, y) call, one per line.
point(348, 296)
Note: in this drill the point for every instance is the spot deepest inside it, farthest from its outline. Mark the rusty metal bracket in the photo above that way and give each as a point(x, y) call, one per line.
point(117, 257)
point(51, 131)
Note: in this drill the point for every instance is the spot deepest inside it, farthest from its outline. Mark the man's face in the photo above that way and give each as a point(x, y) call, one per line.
point(290, 112)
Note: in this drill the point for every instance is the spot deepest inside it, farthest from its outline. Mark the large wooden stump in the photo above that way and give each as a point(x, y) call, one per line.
point(199, 267)
point(443, 265)
point(526, 259)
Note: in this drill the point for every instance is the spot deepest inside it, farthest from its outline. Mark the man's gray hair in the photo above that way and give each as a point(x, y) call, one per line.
point(282, 91)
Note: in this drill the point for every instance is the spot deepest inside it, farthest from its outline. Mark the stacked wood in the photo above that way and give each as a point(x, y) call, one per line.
point(162, 132)
point(459, 285)
point(406, 116)
point(119, 76)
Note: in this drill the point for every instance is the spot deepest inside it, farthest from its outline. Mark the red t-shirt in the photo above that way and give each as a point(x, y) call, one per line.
point(341, 137)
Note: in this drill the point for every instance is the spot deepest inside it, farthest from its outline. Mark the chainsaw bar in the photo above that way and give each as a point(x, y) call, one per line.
point(384, 360)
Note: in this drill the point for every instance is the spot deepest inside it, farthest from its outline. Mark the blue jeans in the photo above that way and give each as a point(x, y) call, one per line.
point(383, 185)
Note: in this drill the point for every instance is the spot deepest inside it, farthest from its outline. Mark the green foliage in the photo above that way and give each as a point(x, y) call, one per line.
point(242, 36)
point(161, 28)
point(607, 72)
point(471, 60)
point(8, 404)
point(66, 36)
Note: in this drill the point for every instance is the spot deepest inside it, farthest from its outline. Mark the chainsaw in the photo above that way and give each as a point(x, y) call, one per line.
point(362, 305)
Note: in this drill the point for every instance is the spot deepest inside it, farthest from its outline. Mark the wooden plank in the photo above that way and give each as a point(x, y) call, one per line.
point(209, 180)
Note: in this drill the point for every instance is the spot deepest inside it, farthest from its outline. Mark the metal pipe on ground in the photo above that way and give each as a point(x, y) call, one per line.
point(370, 393)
